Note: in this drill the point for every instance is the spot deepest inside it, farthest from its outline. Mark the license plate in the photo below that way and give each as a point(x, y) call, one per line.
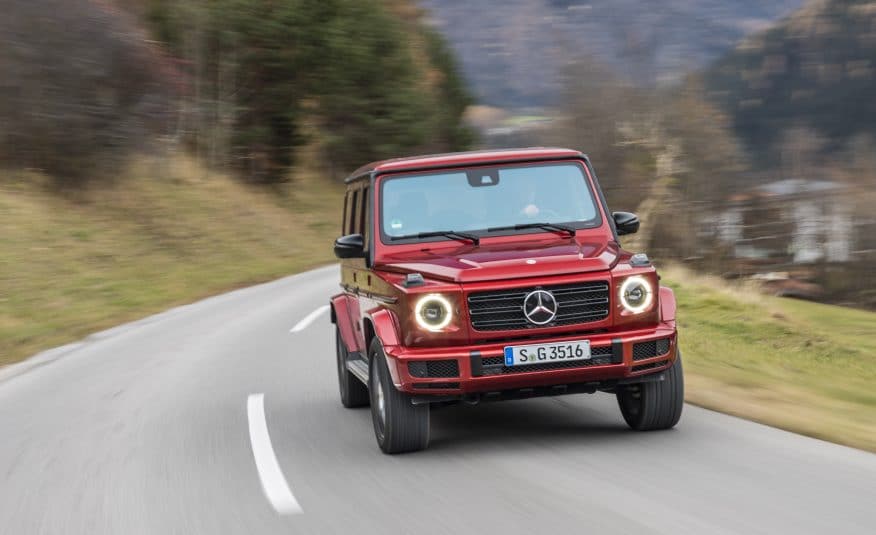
point(545, 353)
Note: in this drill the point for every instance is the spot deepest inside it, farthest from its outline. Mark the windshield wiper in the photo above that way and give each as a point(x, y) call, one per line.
point(555, 227)
point(446, 233)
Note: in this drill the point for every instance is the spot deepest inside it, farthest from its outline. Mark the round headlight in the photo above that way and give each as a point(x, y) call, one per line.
point(433, 312)
point(636, 294)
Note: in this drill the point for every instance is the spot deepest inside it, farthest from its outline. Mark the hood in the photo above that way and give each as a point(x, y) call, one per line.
point(505, 261)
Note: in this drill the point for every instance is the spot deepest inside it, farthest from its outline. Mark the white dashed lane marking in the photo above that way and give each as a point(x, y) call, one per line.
point(308, 319)
point(274, 484)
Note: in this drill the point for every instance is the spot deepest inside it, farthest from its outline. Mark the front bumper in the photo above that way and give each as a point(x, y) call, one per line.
point(479, 368)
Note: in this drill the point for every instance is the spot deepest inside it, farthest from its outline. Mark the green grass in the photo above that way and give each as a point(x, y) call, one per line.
point(801, 366)
point(170, 233)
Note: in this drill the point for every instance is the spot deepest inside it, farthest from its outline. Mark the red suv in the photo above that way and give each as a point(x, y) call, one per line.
point(495, 275)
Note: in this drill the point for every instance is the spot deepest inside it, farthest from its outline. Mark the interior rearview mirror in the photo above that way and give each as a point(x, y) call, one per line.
point(626, 223)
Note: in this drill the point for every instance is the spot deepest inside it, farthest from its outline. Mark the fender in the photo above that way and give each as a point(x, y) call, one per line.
point(385, 326)
point(386, 330)
point(341, 318)
point(667, 305)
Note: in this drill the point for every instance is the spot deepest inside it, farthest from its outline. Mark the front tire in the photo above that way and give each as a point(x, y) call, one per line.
point(655, 405)
point(399, 425)
point(353, 392)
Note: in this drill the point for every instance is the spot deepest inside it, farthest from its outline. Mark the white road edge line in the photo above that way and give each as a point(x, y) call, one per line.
point(273, 482)
point(308, 319)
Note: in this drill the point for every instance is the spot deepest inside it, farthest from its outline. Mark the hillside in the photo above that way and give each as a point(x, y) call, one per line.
point(170, 233)
point(514, 56)
point(814, 71)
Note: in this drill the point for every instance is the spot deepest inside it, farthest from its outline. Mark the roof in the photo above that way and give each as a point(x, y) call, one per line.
point(456, 159)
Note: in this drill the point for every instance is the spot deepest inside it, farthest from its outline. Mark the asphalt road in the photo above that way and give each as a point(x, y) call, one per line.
point(156, 427)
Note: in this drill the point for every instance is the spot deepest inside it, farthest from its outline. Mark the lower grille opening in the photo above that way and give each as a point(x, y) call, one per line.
point(434, 368)
point(494, 361)
point(649, 350)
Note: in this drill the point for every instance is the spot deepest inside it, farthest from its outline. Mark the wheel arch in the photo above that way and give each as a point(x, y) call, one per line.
point(368, 332)
point(340, 316)
point(382, 324)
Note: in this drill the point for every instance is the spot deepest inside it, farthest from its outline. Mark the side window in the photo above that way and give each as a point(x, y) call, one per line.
point(364, 215)
point(353, 221)
point(344, 217)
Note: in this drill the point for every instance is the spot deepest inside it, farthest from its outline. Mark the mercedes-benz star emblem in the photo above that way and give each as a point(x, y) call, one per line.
point(540, 307)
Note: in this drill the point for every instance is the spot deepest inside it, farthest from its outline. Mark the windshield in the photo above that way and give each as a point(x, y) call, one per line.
point(486, 200)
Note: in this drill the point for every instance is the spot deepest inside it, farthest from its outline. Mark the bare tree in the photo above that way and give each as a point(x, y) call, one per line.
point(79, 88)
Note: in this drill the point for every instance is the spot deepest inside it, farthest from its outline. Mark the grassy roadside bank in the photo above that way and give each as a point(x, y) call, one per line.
point(800, 366)
point(169, 234)
point(175, 233)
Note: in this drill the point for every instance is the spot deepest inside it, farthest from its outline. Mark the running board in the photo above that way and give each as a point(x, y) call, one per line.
point(358, 367)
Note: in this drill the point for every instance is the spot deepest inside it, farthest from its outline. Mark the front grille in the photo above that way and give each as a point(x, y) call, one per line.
point(502, 310)
point(648, 350)
point(434, 368)
point(496, 365)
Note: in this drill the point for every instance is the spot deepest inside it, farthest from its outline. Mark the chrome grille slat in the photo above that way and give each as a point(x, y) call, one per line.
point(582, 291)
point(495, 309)
point(583, 315)
point(499, 322)
point(594, 301)
point(478, 299)
point(577, 303)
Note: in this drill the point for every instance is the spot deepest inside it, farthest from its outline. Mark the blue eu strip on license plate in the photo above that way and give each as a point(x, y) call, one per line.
point(509, 356)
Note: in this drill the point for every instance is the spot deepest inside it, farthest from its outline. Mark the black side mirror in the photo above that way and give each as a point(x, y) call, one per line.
point(626, 223)
point(350, 246)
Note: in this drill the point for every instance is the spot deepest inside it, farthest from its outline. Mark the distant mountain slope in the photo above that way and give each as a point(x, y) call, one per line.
point(816, 70)
point(513, 50)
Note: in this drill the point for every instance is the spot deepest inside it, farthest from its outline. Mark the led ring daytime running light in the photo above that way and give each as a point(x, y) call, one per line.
point(440, 300)
point(646, 287)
